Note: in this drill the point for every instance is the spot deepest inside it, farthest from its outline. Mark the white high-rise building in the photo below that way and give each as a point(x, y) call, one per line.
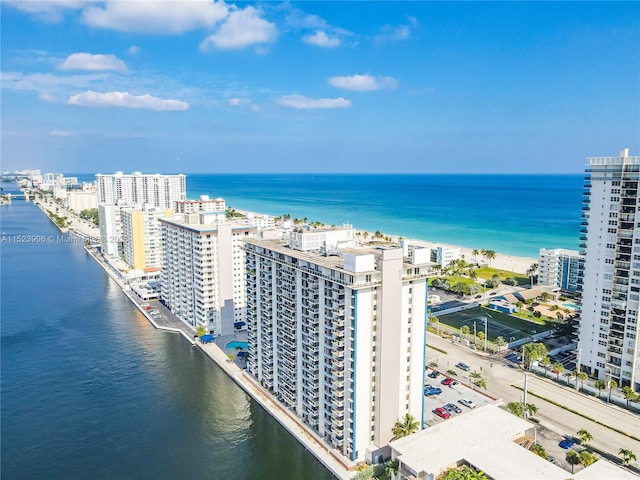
point(561, 268)
point(132, 190)
point(203, 271)
point(337, 333)
point(141, 189)
point(608, 338)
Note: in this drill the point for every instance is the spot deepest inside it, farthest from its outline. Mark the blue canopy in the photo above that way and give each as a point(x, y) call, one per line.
point(207, 338)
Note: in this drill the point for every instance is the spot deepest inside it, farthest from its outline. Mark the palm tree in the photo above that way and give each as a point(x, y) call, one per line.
point(475, 375)
point(584, 436)
point(600, 384)
point(475, 253)
point(365, 235)
point(530, 409)
point(464, 330)
point(627, 456)
point(406, 427)
point(532, 271)
point(519, 305)
point(481, 336)
point(569, 375)
point(573, 459)
point(515, 408)
point(557, 368)
point(491, 255)
point(580, 376)
point(559, 316)
point(500, 342)
point(545, 362)
point(612, 384)
point(629, 394)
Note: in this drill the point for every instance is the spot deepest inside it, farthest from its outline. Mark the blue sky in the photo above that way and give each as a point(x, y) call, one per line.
point(401, 87)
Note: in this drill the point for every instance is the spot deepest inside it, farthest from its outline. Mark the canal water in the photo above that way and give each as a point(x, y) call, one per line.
point(90, 390)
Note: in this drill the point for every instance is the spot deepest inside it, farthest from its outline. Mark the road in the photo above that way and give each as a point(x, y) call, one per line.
point(500, 377)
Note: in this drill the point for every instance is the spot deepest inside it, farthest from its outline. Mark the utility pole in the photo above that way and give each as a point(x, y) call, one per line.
point(578, 355)
point(474, 333)
point(485, 334)
point(524, 398)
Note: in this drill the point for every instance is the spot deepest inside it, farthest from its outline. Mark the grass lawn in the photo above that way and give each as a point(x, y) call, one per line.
point(452, 279)
point(487, 272)
point(499, 324)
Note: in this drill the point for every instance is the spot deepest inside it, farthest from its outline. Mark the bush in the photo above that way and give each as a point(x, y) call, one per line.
point(492, 283)
point(510, 281)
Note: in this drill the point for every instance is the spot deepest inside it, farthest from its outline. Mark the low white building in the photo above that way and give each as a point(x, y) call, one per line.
point(445, 255)
point(561, 268)
point(203, 204)
point(490, 440)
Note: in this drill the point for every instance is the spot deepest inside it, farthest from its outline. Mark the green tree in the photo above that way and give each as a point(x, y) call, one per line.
point(587, 458)
point(500, 342)
point(475, 253)
point(545, 362)
point(626, 456)
point(365, 235)
point(573, 459)
point(475, 375)
point(530, 409)
point(533, 351)
point(545, 296)
point(463, 473)
point(405, 427)
point(481, 383)
point(515, 408)
point(460, 288)
point(540, 451)
point(557, 368)
point(612, 384)
point(435, 321)
point(568, 376)
point(584, 436)
point(629, 394)
point(580, 376)
point(600, 385)
point(464, 330)
point(201, 331)
point(519, 305)
point(491, 255)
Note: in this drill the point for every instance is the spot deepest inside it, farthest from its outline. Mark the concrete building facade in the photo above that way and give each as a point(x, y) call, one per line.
point(142, 236)
point(608, 334)
point(561, 268)
point(132, 190)
point(203, 204)
point(203, 272)
point(337, 334)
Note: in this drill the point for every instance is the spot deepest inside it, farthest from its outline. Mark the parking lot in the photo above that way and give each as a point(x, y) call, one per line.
point(450, 395)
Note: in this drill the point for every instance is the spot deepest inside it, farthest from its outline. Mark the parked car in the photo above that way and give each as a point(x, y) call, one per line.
point(429, 390)
point(452, 408)
point(434, 374)
point(478, 296)
point(441, 412)
point(467, 403)
point(454, 385)
point(463, 366)
point(567, 443)
point(447, 381)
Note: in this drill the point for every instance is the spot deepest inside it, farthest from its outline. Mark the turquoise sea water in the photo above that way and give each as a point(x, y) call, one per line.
point(512, 214)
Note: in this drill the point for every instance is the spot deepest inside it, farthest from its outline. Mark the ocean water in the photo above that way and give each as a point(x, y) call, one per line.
point(512, 214)
point(90, 390)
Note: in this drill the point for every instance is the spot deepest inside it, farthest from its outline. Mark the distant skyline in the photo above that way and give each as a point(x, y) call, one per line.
point(324, 87)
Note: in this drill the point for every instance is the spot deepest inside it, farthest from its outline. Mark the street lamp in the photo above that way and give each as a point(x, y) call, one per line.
point(485, 331)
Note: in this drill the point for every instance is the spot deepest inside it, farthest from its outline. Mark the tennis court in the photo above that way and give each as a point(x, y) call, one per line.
point(498, 324)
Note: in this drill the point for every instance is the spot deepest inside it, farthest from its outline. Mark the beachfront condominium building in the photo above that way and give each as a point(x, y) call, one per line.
point(132, 190)
point(608, 336)
point(203, 204)
point(337, 333)
point(445, 255)
point(203, 280)
point(561, 268)
point(142, 237)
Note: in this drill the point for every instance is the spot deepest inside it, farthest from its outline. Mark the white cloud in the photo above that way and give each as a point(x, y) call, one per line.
point(241, 29)
point(133, 50)
point(397, 32)
point(153, 16)
point(47, 10)
point(321, 39)
point(302, 102)
point(125, 100)
point(243, 103)
point(363, 83)
point(60, 133)
point(46, 97)
point(88, 61)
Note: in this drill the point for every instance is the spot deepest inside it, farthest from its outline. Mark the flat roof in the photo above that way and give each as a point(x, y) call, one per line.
point(483, 437)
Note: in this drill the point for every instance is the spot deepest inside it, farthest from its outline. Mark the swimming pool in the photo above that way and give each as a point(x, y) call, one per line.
point(572, 306)
point(234, 345)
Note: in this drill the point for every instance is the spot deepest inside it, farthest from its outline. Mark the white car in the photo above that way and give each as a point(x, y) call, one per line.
point(454, 385)
point(467, 403)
